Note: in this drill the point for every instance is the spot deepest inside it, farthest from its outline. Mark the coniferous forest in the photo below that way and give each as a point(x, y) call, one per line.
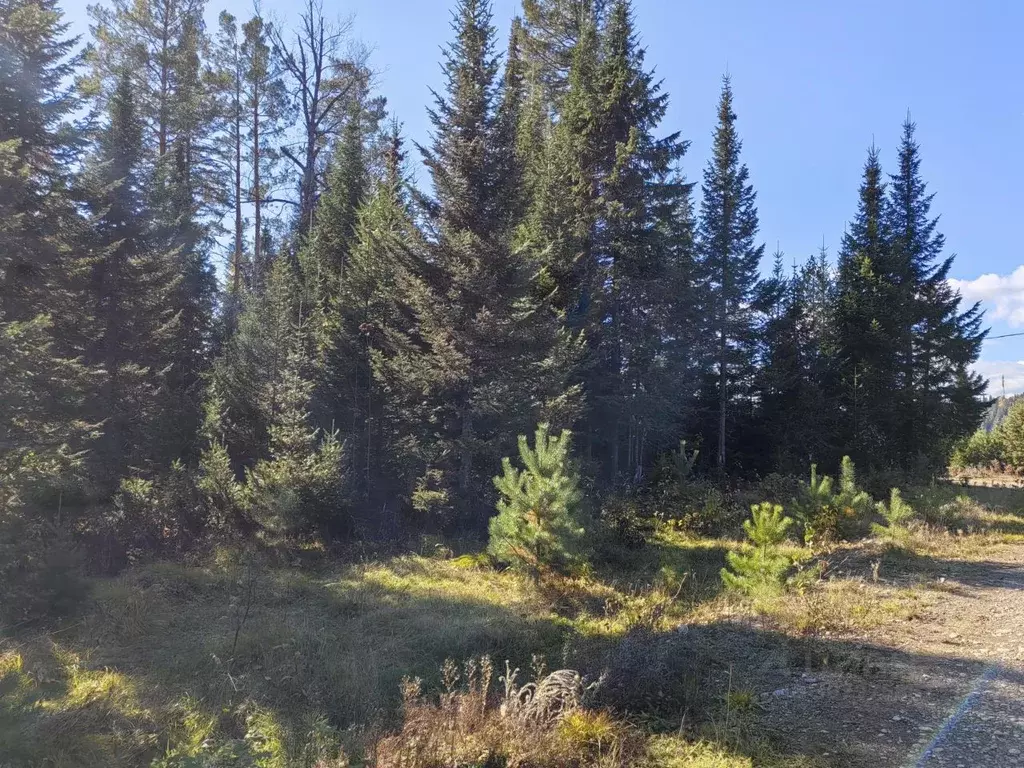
point(371, 350)
point(227, 314)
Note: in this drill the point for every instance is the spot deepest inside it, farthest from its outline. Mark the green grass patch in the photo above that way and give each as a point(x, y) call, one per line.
point(273, 661)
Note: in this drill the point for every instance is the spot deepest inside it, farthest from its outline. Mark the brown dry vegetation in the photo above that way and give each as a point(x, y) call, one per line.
point(250, 659)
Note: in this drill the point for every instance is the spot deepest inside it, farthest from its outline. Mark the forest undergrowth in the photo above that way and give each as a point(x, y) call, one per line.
point(293, 656)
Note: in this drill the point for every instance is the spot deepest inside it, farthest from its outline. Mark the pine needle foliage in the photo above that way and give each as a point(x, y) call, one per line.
point(826, 511)
point(1011, 434)
point(981, 449)
point(681, 464)
point(762, 567)
point(897, 514)
point(540, 525)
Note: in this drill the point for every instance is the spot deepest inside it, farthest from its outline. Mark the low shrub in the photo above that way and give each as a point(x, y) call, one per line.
point(540, 521)
point(159, 517)
point(897, 513)
point(830, 512)
point(40, 571)
point(703, 510)
point(649, 672)
point(684, 501)
point(543, 723)
point(626, 522)
point(761, 568)
point(676, 467)
point(778, 488)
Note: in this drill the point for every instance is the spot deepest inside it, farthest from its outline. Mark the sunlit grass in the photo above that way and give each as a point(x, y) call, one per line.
point(676, 752)
point(171, 661)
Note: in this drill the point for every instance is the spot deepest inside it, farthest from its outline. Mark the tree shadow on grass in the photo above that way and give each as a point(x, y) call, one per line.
point(305, 648)
point(697, 561)
point(839, 702)
point(1009, 499)
point(340, 648)
point(896, 562)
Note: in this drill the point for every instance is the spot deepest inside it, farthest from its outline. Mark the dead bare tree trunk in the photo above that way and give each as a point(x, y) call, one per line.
point(326, 70)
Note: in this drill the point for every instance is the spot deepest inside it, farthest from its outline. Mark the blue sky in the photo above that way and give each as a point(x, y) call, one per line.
point(815, 83)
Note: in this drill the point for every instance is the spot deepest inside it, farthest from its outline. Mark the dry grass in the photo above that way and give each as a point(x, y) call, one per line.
point(288, 666)
point(467, 724)
point(153, 669)
point(844, 607)
point(306, 649)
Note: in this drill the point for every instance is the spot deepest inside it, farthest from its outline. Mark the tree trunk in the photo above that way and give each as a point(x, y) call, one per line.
point(162, 116)
point(237, 267)
point(257, 193)
point(465, 438)
point(723, 385)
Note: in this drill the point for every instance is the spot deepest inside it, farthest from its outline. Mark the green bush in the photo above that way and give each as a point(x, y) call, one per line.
point(626, 521)
point(813, 505)
point(897, 513)
point(299, 491)
point(299, 488)
point(540, 521)
point(980, 449)
point(676, 467)
point(685, 502)
point(222, 492)
point(762, 567)
point(1011, 435)
point(778, 488)
point(159, 517)
point(40, 571)
point(827, 512)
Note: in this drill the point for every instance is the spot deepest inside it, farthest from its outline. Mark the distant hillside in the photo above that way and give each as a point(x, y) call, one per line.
point(997, 412)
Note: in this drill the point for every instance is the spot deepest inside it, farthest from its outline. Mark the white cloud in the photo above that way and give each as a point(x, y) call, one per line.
point(996, 371)
point(1003, 295)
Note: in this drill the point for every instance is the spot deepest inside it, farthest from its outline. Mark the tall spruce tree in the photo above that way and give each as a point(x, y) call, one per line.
point(42, 384)
point(161, 44)
point(639, 192)
point(562, 221)
point(355, 157)
point(869, 313)
point(820, 416)
point(375, 345)
point(297, 485)
point(779, 365)
point(729, 260)
point(38, 148)
point(940, 399)
point(133, 317)
point(325, 262)
point(248, 374)
point(611, 224)
point(683, 346)
point(796, 420)
point(184, 201)
point(552, 30)
point(258, 423)
point(498, 355)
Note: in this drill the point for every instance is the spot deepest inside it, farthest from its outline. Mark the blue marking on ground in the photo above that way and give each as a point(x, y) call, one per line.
point(954, 719)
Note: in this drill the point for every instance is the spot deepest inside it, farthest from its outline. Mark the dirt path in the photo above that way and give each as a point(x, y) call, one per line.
point(944, 689)
point(980, 619)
